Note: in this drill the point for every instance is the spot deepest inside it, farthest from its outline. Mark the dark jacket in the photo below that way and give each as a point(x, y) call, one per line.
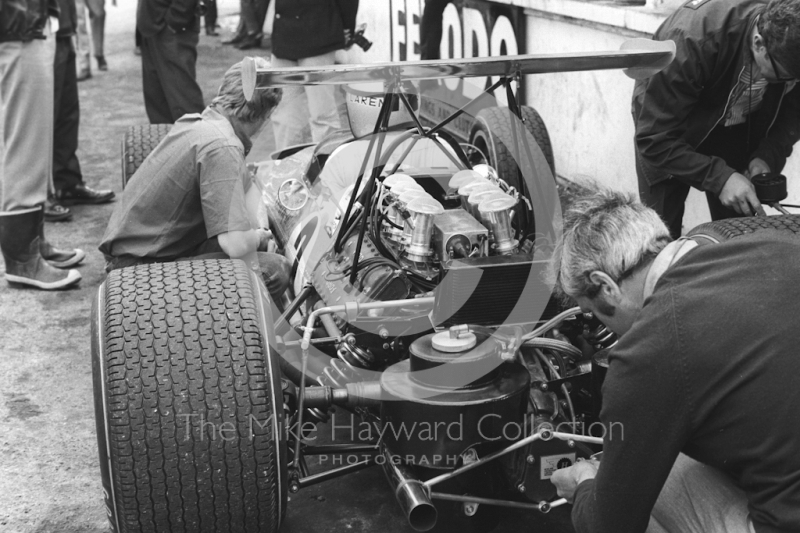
point(152, 16)
point(709, 368)
point(675, 110)
point(308, 28)
point(67, 19)
point(25, 20)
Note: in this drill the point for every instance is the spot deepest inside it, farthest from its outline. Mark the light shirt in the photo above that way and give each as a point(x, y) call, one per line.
point(750, 99)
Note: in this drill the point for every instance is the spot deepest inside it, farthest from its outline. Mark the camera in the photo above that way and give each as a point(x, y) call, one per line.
point(358, 38)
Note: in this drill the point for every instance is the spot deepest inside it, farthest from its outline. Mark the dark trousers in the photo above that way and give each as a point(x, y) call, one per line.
point(430, 29)
point(668, 197)
point(211, 15)
point(169, 77)
point(252, 15)
point(66, 112)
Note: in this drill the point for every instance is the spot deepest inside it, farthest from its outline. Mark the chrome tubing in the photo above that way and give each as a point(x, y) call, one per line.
point(496, 214)
point(419, 228)
point(411, 493)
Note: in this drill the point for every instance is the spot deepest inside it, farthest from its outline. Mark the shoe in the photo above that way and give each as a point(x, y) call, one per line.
point(82, 194)
point(55, 212)
point(236, 39)
point(55, 256)
point(250, 41)
point(212, 32)
point(85, 75)
point(101, 63)
point(19, 241)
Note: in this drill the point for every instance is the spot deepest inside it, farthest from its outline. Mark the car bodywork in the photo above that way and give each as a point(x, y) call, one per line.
point(420, 307)
point(378, 341)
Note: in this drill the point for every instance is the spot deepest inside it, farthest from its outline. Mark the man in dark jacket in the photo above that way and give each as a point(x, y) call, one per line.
point(700, 401)
point(170, 31)
point(307, 33)
point(27, 52)
point(69, 187)
point(727, 108)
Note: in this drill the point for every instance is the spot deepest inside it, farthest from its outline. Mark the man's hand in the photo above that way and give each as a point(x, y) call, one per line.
point(567, 480)
point(265, 241)
point(740, 195)
point(757, 166)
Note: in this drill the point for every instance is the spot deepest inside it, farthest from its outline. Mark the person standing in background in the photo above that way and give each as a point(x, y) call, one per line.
point(307, 33)
point(430, 29)
point(252, 15)
point(69, 188)
point(170, 33)
point(97, 17)
point(82, 46)
point(27, 52)
point(210, 17)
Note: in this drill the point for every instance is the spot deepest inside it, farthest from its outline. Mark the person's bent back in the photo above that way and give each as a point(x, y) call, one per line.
point(193, 196)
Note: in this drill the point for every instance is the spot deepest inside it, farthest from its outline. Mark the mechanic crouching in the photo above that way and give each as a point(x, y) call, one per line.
point(194, 198)
point(703, 381)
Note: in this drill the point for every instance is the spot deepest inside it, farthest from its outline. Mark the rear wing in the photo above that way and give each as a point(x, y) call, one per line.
point(639, 58)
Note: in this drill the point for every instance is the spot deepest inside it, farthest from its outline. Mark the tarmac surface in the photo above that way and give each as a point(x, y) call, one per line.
point(49, 475)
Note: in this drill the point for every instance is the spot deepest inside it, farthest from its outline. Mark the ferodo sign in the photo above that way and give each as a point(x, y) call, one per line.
point(470, 28)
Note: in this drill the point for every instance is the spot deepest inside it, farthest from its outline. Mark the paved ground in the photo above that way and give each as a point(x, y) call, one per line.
point(49, 478)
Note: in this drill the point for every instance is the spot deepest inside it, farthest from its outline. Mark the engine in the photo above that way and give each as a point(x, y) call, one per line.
point(450, 236)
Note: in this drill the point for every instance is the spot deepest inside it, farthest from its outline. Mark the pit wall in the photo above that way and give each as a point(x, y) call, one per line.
point(587, 113)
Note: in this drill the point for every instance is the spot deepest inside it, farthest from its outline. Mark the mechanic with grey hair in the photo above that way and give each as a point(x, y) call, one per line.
point(703, 381)
point(193, 197)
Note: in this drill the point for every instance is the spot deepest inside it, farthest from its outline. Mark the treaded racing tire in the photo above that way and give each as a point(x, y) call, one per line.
point(137, 144)
point(188, 402)
point(493, 124)
point(723, 230)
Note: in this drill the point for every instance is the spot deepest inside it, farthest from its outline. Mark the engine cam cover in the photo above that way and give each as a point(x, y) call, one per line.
point(443, 403)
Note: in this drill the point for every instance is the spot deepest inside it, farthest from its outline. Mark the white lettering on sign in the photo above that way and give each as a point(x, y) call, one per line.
point(503, 42)
point(476, 44)
point(451, 39)
point(551, 463)
point(398, 29)
point(406, 17)
point(466, 34)
point(413, 19)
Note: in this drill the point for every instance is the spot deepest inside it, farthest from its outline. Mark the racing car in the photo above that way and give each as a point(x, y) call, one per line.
point(420, 306)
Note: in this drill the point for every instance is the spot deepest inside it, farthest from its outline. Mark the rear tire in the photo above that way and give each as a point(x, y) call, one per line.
point(492, 135)
point(137, 144)
point(496, 133)
point(723, 230)
point(188, 401)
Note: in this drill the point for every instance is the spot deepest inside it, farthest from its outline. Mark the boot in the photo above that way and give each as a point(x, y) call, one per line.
point(19, 241)
point(55, 256)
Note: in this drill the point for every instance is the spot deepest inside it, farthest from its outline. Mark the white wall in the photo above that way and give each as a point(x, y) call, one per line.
point(588, 114)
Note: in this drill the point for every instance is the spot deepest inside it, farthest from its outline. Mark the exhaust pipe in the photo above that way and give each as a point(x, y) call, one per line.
point(410, 492)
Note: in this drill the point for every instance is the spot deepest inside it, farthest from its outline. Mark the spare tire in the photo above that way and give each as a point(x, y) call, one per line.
point(188, 402)
point(729, 228)
point(137, 144)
